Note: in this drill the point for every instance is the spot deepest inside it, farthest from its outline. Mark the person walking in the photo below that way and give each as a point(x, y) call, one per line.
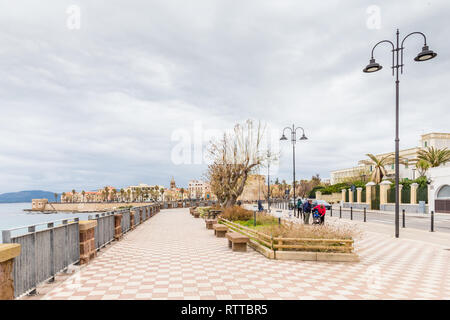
point(306, 211)
point(260, 206)
point(299, 208)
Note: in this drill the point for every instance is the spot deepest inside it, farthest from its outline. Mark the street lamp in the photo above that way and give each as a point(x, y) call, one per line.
point(397, 53)
point(294, 141)
point(268, 180)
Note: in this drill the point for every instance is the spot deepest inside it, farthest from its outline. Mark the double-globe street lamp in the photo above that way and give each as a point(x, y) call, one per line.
point(294, 141)
point(397, 63)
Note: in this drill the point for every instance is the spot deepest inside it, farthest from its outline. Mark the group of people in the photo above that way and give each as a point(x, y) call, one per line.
point(304, 209)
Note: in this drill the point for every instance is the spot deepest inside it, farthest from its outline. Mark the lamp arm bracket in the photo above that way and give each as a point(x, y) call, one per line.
point(287, 128)
point(300, 128)
point(401, 46)
point(393, 50)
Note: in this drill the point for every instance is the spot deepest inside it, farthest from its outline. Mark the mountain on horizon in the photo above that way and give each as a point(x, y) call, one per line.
point(27, 196)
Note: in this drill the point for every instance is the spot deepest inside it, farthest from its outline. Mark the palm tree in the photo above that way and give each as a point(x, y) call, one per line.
point(122, 193)
point(106, 194)
point(63, 195)
point(56, 197)
point(128, 195)
point(378, 166)
point(73, 195)
point(138, 194)
point(435, 157)
point(83, 193)
point(422, 167)
point(113, 194)
point(182, 192)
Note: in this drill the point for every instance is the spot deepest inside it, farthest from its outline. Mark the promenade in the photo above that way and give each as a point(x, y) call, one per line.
point(173, 256)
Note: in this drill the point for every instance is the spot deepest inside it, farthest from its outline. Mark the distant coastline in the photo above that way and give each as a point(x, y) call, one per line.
point(26, 196)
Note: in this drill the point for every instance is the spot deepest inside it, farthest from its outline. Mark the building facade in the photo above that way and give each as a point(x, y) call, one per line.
point(439, 189)
point(363, 171)
point(254, 189)
point(199, 189)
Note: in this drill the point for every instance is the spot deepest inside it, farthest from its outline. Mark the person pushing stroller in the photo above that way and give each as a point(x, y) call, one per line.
point(319, 212)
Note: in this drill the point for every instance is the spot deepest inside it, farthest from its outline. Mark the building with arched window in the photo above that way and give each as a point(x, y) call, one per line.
point(439, 189)
point(363, 171)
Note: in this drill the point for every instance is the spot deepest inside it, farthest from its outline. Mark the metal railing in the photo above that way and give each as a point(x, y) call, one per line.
point(104, 230)
point(51, 247)
point(46, 249)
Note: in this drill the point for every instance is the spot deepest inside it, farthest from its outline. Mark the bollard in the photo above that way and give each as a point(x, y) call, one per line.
point(351, 213)
point(432, 221)
point(331, 211)
point(279, 221)
point(365, 214)
point(403, 218)
point(254, 218)
point(340, 212)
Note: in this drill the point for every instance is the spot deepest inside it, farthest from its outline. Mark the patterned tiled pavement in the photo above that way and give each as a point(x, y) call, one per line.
point(173, 256)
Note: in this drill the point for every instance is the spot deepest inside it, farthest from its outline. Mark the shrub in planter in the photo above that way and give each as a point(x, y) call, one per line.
point(237, 213)
point(203, 211)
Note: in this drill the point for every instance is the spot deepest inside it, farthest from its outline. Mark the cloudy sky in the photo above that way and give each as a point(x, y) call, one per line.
point(101, 100)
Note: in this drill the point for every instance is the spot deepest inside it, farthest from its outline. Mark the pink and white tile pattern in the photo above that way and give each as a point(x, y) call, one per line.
point(173, 256)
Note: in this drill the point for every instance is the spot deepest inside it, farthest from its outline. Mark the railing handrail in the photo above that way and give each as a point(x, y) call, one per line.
point(71, 220)
point(75, 219)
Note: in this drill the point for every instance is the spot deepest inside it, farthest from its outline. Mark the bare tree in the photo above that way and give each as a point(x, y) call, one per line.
point(234, 158)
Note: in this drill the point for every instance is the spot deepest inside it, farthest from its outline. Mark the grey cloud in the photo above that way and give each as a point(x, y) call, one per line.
point(98, 106)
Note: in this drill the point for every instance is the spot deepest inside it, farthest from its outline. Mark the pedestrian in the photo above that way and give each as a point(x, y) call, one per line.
point(239, 203)
point(299, 208)
point(322, 211)
point(306, 211)
point(260, 206)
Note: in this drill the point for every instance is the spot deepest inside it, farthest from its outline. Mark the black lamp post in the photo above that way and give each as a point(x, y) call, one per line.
point(397, 53)
point(294, 141)
point(268, 180)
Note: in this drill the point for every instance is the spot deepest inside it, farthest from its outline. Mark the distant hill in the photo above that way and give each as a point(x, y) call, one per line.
point(26, 196)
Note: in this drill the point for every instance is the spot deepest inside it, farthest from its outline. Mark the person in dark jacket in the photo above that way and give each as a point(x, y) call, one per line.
point(260, 206)
point(306, 211)
point(299, 208)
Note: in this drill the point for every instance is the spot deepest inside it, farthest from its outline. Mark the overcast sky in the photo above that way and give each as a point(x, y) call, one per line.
point(102, 104)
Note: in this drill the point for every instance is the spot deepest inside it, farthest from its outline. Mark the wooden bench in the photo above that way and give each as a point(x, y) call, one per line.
point(220, 230)
point(237, 241)
point(209, 223)
point(196, 214)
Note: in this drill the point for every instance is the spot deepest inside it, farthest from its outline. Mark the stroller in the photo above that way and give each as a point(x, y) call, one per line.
point(316, 217)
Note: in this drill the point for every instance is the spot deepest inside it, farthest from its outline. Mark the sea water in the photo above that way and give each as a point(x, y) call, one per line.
point(12, 215)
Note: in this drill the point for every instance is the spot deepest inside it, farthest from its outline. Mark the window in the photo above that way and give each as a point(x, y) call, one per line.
point(444, 192)
point(392, 166)
point(426, 144)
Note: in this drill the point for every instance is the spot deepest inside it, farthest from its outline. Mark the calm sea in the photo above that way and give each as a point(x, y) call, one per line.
point(13, 216)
